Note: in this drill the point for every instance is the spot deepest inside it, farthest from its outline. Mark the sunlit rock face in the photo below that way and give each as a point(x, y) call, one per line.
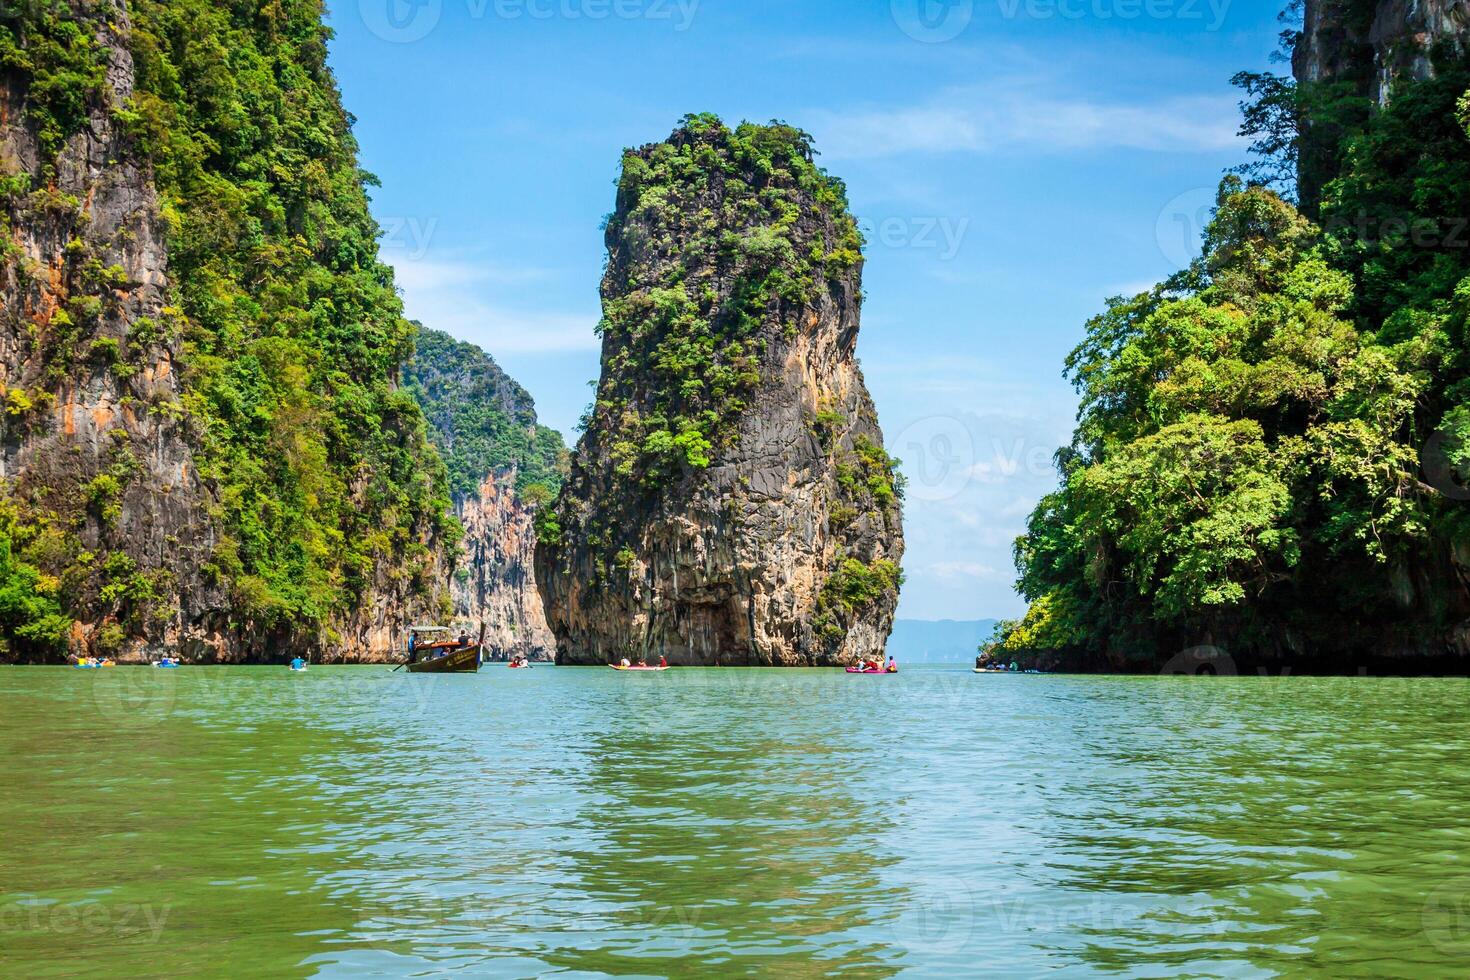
point(730, 502)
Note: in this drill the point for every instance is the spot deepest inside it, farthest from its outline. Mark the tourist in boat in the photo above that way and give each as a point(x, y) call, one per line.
point(892, 665)
point(625, 664)
point(663, 662)
point(298, 664)
point(464, 638)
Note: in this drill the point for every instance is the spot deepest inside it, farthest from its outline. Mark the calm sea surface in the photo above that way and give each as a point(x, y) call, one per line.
point(351, 821)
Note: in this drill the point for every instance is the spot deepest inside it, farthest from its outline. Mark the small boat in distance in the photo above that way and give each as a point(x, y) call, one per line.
point(432, 651)
point(636, 668)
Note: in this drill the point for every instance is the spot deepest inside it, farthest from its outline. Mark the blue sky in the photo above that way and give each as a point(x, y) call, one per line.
point(1013, 162)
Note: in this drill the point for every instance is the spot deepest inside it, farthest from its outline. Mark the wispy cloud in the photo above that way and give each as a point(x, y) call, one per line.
point(952, 570)
point(458, 297)
point(982, 119)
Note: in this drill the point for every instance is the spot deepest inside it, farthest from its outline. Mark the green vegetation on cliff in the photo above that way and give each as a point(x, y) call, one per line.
point(289, 329)
point(731, 200)
point(481, 420)
point(294, 332)
point(1271, 448)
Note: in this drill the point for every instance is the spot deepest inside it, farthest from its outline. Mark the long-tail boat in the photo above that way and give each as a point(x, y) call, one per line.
point(432, 655)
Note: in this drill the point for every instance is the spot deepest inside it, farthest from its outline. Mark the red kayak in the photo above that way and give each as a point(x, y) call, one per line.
point(859, 670)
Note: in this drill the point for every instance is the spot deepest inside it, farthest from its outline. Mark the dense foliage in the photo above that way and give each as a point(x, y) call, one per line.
point(31, 620)
point(481, 420)
point(1271, 447)
point(685, 336)
point(289, 329)
point(730, 305)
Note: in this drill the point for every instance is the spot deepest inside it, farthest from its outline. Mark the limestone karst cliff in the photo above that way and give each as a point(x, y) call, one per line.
point(502, 465)
point(1366, 47)
point(202, 446)
point(730, 501)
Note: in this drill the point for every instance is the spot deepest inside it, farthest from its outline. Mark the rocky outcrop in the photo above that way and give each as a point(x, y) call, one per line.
point(1373, 44)
point(730, 502)
point(94, 435)
point(108, 495)
point(1367, 47)
point(494, 591)
point(502, 465)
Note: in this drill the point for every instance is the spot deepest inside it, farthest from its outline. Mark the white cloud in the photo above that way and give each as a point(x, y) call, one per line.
point(453, 296)
point(951, 570)
point(981, 120)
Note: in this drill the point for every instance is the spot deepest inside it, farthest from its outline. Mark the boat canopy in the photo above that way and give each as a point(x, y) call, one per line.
point(428, 629)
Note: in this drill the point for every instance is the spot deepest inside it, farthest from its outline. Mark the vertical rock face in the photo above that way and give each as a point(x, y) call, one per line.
point(1368, 46)
point(494, 587)
point(201, 447)
point(93, 434)
point(730, 502)
point(502, 463)
point(1374, 44)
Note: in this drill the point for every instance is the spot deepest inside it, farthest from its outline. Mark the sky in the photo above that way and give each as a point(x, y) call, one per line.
point(1012, 163)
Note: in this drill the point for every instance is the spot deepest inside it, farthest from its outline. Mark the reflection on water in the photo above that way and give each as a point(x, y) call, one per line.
point(517, 823)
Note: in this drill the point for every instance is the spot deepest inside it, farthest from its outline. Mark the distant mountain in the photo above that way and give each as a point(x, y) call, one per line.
point(938, 641)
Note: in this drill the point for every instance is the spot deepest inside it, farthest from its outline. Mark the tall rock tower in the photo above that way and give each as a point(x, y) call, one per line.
point(730, 502)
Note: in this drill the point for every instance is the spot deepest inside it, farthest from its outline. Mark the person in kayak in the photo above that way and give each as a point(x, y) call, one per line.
point(663, 661)
point(892, 665)
point(625, 664)
point(298, 664)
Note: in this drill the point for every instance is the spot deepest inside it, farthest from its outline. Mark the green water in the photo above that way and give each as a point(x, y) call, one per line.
point(352, 821)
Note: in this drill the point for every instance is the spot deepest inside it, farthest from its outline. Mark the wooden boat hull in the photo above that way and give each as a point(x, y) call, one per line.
point(465, 660)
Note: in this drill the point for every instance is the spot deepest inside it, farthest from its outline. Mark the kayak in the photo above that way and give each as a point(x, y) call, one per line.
point(520, 667)
point(164, 666)
point(859, 670)
point(653, 669)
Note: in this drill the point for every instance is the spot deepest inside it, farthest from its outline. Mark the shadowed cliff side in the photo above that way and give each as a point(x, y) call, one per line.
point(1366, 48)
point(730, 501)
point(502, 466)
point(202, 449)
